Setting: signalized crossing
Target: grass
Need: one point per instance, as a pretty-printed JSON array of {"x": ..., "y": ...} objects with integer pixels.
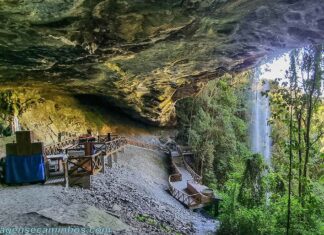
[{"x": 144, "y": 218}]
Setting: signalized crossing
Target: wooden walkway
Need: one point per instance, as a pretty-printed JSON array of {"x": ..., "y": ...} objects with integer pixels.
[
  {"x": 185, "y": 177},
  {"x": 76, "y": 168},
  {"x": 186, "y": 185},
  {"x": 67, "y": 162}
]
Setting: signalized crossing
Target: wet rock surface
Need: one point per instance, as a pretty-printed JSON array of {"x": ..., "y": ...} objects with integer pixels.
[
  {"x": 137, "y": 55},
  {"x": 83, "y": 215}
]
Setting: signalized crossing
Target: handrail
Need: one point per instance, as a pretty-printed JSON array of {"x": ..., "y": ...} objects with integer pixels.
[
  {"x": 104, "y": 138},
  {"x": 108, "y": 147},
  {"x": 189, "y": 200},
  {"x": 93, "y": 159},
  {"x": 113, "y": 145},
  {"x": 88, "y": 156},
  {"x": 196, "y": 177},
  {"x": 142, "y": 144},
  {"x": 53, "y": 148},
  {"x": 69, "y": 140},
  {"x": 175, "y": 177},
  {"x": 116, "y": 140},
  {"x": 176, "y": 171}
]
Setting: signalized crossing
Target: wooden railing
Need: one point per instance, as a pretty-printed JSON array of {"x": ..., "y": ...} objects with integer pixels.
[
  {"x": 145, "y": 145},
  {"x": 105, "y": 138},
  {"x": 80, "y": 165},
  {"x": 176, "y": 175},
  {"x": 191, "y": 200},
  {"x": 85, "y": 164},
  {"x": 77, "y": 165},
  {"x": 175, "y": 178},
  {"x": 188, "y": 200},
  {"x": 100, "y": 147},
  {"x": 115, "y": 145},
  {"x": 197, "y": 178},
  {"x": 56, "y": 148}
]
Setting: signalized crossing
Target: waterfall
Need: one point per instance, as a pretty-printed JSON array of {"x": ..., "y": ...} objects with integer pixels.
[
  {"x": 16, "y": 124},
  {"x": 260, "y": 129}
]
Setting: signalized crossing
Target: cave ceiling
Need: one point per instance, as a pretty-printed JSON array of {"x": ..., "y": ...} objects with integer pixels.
[{"x": 143, "y": 55}]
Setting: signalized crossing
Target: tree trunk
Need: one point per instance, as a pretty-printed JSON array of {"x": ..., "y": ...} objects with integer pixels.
[
  {"x": 290, "y": 171},
  {"x": 312, "y": 102},
  {"x": 299, "y": 121}
]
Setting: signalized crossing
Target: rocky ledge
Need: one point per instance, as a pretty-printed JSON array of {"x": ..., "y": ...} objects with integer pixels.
[{"x": 144, "y": 55}]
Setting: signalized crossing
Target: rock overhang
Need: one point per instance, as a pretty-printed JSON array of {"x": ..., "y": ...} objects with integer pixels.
[{"x": 144, "y": 55}]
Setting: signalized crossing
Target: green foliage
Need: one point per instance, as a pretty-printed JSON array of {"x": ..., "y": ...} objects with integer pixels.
[
  {"x": 252, "y": 189},
  {"x": 144, "y": 218},
  {"x": 248, "y": 221},
  {"x": 13, "y": 103},
  {"x": 9, "y": 103},
  {"x": 211, "y": 124},
  {"x": 5, "y": 128},
  {"x": 268, "y": 219},
  {"x": 297, "y": 130},
  {"x": 238, "y": 219},
  {"x": 215, "y": 124},
  {"x": 8, "y": 107}
]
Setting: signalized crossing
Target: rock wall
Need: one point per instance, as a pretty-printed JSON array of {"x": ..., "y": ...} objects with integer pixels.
[
  {"x": 143, "y": 55},
  {"x": 48, "y": 111}
]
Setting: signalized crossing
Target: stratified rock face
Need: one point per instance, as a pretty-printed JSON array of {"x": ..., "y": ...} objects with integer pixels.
[
  {"x": 51, "y": 113},
  {"x": 143, "y": 55}
]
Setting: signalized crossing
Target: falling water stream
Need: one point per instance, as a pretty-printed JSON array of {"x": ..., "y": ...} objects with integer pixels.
[
  {"x": 260, "y": 129},
  {"x": 16, "y": 124}
]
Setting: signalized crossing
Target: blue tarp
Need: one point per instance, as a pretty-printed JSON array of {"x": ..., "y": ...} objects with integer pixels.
[{"x": 25, "y": 169}]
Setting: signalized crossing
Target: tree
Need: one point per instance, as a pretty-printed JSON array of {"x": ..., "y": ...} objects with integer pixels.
[
  {"x": 215, "y": 128},
  {"x": 311, "y": 66},
  {"x": 297, "y": 100},
  {"x": 251, "y": 190}
]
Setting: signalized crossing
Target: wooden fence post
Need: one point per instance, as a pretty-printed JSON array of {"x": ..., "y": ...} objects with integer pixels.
[
  {"x": 102, "y": 163},
  {"x": 110, "y": 160},
  {"x": 66, "y": 173},
  {"x": 115, "y": 156}
]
